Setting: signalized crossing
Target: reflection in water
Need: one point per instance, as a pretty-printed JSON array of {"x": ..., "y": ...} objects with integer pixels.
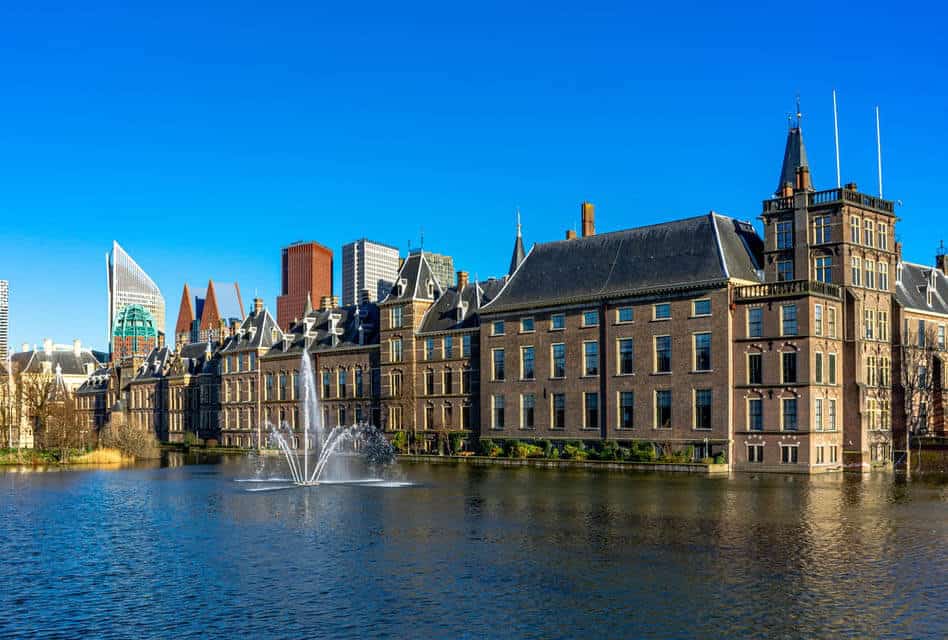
[{"x": 471, "y": 552}]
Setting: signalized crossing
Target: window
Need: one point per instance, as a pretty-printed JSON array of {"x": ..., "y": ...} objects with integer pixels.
[
  {"x": 396, "y": 383},
  {"x": 831, "y": 369},
  {"x": 788, "y": 317},
  {"x": 466, "y": 380},
  {"x": 359, "y": 390},
  {"x": 342, "y": 416},
  {"x": 819, "y": 455},
  {"x": 789, "y": 414},
  {"x": 785, "y": 235},
  {"x": 327, "y": 383},
  {"x": 626, "y": 356},
  {"x": 921, "y": 333},
  {"x": 498, "y": 363},
  {"x": 869, "y": 323},
  {"x": 824, "y": 269},
  {"x": 831, "y": 321},
  {"x": 526, "y": 325},
  {"x": 395, "y": 418},
  {"x": 395, "y": 349},
  {"x": 941, "y": 337},
  {"x": 358, "y": 414},
  {"x": 883, "y": 276},
  {"x": 591, "y": 358},
  {"x": 526, "y": 363},
  {"x": 818, "y": 414},
  {"x": 429, "y": 349},
  {"x": 784, "y": 270},
  {"x": 429, "y": 383},
  {"x": 833, "y": 454},
  {"x": 755, "y": 368},
  {"x": 883, "y": 233},
  {"x": 662, "y": 354},
  {"x": 868, "y": 233},
  {"x": 663, "y": 409},
  {"x": 662, "y": 311},
  {"x": 397, "y": 317},
  {"x": 701, "y": 308},
  {"x": 870, "y": 274},
  {"x": 625, "y": 314},
  {"x": 821, "y": 229},
  {"x": 591, "y": 414},
  {"x": 702, "y": 351},
  {"x": 497, "y": 328},
  {"x": 789, "y": 453},
  {"x": 626, "y": 409},
  {"x": 854, "y": 229},
  {"x": 789, "y": 360},
  {"x": 497, "y": 411},
  {"x": 831, "y": 416},
  {"x": 818, "y": 319},
  {"x": 559, "y": 411},
  {"x": 528, "y": 403},
  {"x": 590, "y": 318},
  {"x": 883, "y": 325},
  {"x": 818, "y": 367},
  {"x": 703, "y": 409},
  {"x": 557, "y": 322},
  {"x": 343, "y": 380},
  {"x": 857, "y": 271},
  {"x": 755, "y": 414},
  {"x": 558, "y": 360},
  {"x": 466, "y": 416},
  {"x": 466, "y": 346},
  {"x": 755, "y": 322},
  {"x": 448, "y": 347},
  {"x": 755, "y": 453},
  {"x": 268, "y": 387}
]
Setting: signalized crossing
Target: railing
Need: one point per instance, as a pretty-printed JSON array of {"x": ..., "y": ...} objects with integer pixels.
[
  {"x": 787, "y": 288},
  {"x": 830, "y": 196}
]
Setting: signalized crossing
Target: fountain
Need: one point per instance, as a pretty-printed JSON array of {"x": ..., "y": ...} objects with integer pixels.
[{"x": 308, "y": 463}]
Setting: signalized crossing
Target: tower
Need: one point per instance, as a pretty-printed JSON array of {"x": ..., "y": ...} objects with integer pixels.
[
  {"x": 306, "y": 268},
  {"x": 518, "y": 253}
]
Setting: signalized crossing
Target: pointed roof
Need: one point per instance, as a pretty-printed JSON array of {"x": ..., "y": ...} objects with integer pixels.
[
  {"x": 308, "y": 309},
  {"x": 413, "y": 279},
  {"x": 794, "y": 157},
  {"x": 186, "y": 315},
  {"x": 210, "y": 314},
  {"x": 518, "y": 253}
]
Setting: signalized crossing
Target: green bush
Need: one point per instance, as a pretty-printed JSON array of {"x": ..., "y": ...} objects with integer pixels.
[
  {"x": 457, "y": 442},
  {"x": 400, "y": 441},
  {"x": 720, "y": 458},
  {"x": 510, "y": 448},
  {"x": 547, "y": 447},
  {"x": 609, "y": 450},
  {"x": 554, "y": 454},
  {"x": 573, "y": 452},
  {"x": 487, "y": 447}
]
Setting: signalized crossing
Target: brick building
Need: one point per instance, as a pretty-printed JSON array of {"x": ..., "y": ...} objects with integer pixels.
[{"x": 306, "y": 273}]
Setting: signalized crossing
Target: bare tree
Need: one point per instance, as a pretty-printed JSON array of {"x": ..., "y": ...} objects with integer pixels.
[
  {"x": 119, "y": 433},
  {"x": 60, "y": 430},
  {"x": 917, "y": 379}
]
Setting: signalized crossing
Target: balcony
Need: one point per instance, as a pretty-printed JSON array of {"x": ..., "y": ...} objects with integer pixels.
[
  {"x": 833, "y": 196},
  {"x": 786, "y": 289}
]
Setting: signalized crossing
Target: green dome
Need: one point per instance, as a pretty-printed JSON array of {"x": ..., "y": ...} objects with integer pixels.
[{"x": 134, "y": 321}]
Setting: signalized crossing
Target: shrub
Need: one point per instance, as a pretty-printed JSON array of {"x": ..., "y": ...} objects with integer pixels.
[
  {"x": 609, "y": 450},
  {"x": 138, "y": 442},
  {"x": 720, "y": 458},
  {"x": 510, "y": 448},
  {"x": 547, "y": 447},
  {"x": 457, "y": 442},
  {"x": 624, "y": 453},
  {"x": 487, "y": 447},
  {"x": 554, "y": 454},
  {"x": 572, "y": 452},
  {"x": 191, "y": 439},
  {"x": 400, "y": 441}
]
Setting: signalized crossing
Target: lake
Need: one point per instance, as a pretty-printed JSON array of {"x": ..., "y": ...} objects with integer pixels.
[{"x": 186, "y": 551}]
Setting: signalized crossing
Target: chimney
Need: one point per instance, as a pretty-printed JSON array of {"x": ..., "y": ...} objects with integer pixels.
[
  {"x": 589, "y": 219},
  {"x": 257, "y": 305},
  {"x": 851, "y": 186},
  {"x": 48, "y": 346},
  {"x": 570, "y": 234},
  {"x": 326, "y": 303},
  {"x": 803, "y": 179},
  {"x": 941, "y": 259},
  {"x": 76, "y": 347},
  {"x": 364, "y": 296},
  {"x": 786, "y": 191},
  {"x": 462, "y": 280},
  {"x": 25, "y": 346}
]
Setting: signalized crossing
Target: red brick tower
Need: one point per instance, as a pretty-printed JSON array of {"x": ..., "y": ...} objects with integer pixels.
[{"x": 306, "y": 270}]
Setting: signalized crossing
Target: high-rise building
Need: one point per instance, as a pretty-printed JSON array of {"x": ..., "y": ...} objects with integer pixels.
[
  {"x": 4, "y": 320},
  {"x": 306, "y": 274},
  {"x": 367, "y": 266},
  {"x": 129, "y": 284},
  {"x": 442, "y": 267}
]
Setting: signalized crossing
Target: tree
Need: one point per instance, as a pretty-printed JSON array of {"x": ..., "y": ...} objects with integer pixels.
[
  {"x": 60, "y": 430},
  {"x": 917, "y": 379},
  {"x": 119, "y": 433}
]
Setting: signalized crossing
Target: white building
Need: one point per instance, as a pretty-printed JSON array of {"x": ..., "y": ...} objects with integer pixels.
[
  {"x": 129, "y": 284},
  {"x": 367, "y": 266},
  {"x": 4, "y": 320}
]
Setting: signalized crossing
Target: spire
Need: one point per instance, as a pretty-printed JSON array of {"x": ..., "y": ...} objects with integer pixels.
[
  {"x": 518, "y": 253},
  {"x": 185, "y": 313},
  {"x": 795, "y": 170},
  {"x": 308, "y": 309},
  {"x": 211, "y": 313}
]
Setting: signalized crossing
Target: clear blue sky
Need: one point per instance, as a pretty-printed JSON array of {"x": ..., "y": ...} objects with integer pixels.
[{"x": 204, "y": 139}]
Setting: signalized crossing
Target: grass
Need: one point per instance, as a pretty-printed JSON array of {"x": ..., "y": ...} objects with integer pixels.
[{"x": 100, "y": 456}]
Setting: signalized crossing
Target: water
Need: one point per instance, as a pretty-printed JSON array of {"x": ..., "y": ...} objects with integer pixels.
[{"x": 470, "y": 552}]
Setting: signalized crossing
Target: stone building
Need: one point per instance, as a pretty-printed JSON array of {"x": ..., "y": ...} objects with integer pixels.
[{"x": 192, "y": 387}]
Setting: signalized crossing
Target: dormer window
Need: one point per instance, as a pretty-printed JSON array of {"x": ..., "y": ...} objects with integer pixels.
[
  {"x": 400, "y": 288},
  {"x": 898, "y": 273},
  {"x": 431, "y": 288}
]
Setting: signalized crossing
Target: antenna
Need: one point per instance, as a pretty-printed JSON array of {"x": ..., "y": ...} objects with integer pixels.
[
  {"x": 799, "y": 113},
  {"x": 836, "y": 134},
  {"x": 879, "y": 150}
]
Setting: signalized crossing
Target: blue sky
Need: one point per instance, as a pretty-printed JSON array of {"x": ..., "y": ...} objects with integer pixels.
[{"x": 205, "y": 138}]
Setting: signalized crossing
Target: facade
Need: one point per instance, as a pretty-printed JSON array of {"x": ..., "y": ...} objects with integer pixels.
[
  {"x": 4, "y": 320},
  {"x": 306, "y": 274},
  {"x": 368, "y": 271},
  {"x": 128, "y": 284},
  {"x": 134, "y": 333},
  {"x": 442, "y": 266},
  {"x": 208, "y": 315}
]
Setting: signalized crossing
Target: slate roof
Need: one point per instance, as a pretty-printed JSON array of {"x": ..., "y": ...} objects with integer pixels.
[
  {"x": 699, "y": 252},
  {"x": 196, "y": 357},
  {"x": 66, "y": 359},
  {"x": 330, "y": 329},
  {"x": 155, "y": 364},
  {"x": 98, "y": 381},
  {"x": 911, "y": 290},
  {"x": 794, "y": 156},
  {"x": 411, "y": 283},
  {"x": 257, "y": 331},
  {"x": 518, "y": 253},
  {"x": 456, "y": 310}
]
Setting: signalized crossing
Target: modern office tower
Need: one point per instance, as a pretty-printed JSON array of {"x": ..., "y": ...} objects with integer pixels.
[
  {"x": 306, "y": 273},
  {"x": 367, "y": 266},
  {"x": 442, "y": 267},
  {"x": 130, "y": 285},
  {"x": 4, "y": 320}
]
